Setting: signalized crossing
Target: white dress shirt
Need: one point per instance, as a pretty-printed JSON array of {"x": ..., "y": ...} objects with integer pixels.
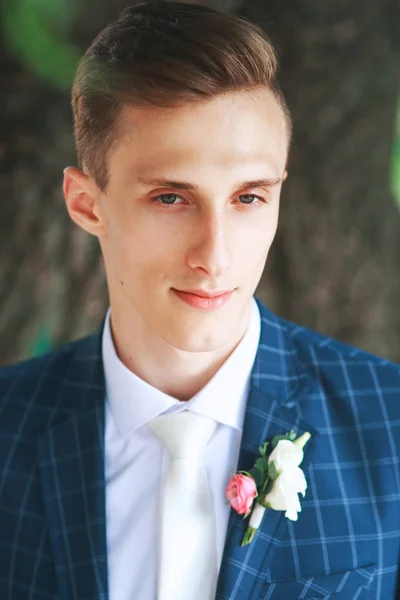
[{"x": 137, "y": 462}]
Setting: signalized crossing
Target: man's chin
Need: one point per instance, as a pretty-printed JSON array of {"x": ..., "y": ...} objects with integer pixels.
[{"x": 201, "y": 336}]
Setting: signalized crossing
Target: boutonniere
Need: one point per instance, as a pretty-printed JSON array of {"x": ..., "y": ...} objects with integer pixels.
[{"x": 275, "y": 480}]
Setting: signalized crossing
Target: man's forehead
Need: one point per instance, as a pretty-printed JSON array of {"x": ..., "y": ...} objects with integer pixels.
[
  {"x": 240, "y": 105},
  {"x": 158, "y": 137}
]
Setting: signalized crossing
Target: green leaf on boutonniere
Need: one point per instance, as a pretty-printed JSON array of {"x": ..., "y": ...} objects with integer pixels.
[
  {"x": 267, "y": 487},
  {"x": 291, "y": 436},
  {"x": 272, "y": 472},
  {"x": 262, "y": 464},
  {"x": 277, "y": 439},
  {"x": 263, "y": 449},
  {"x": 248, "y": 473},
  {"x": 257, "y": 476}
]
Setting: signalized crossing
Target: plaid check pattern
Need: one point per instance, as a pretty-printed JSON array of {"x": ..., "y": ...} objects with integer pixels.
[{"x": 346, "y": 542}]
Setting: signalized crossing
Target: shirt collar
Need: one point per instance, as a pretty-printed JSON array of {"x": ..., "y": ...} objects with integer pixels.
[{"x": 133, "y": 402}]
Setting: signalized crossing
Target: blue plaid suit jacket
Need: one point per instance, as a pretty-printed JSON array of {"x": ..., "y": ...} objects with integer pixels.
[{"x": 346, "y": 542}]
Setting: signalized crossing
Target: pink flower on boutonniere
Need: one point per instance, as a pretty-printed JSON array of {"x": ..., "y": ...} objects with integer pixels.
[{"x": 241, "y": 492}]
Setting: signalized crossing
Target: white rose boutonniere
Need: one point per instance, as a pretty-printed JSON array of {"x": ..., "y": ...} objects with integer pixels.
[
  {"x": 290, "y": 480},
  {"x": 278, "y": 480}
]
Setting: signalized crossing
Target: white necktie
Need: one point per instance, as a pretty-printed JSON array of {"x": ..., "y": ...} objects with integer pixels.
[{"x": 188, "y": 565}]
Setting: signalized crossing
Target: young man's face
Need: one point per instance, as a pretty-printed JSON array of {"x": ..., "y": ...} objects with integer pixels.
[{"x": 158, "y": 238}]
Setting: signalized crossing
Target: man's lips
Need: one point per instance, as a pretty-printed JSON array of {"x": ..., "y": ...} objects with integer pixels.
[
  {"x": 206, "y": 293},
  {"x": 204, "y": 302}
]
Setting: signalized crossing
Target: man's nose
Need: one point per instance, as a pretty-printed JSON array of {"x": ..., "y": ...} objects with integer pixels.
[{"x": 211, "y": 249}]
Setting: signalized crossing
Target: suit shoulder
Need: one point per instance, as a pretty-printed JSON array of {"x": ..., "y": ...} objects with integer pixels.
[
  {"x": 37, "y": 366},
  {"x": 356, "y": 388},
  {"x": 33, "y": 386},
  {"x": 325, "y": 352}
]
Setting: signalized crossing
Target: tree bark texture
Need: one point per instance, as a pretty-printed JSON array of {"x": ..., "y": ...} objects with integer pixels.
[
  {"x": 50, "y": 271},
  {"x": 334, "y": 263}
]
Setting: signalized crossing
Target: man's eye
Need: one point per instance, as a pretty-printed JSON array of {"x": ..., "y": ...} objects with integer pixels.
[
  {"x": 167, "y": 200},
  {"x": 170, "y": 199},
  {"x": 251, "y": 196}
]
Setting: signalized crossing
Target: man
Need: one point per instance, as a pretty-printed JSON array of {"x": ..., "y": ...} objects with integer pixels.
[{"x": 182, "y": 138}]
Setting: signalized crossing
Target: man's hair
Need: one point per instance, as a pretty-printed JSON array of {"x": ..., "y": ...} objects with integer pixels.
[{"x": 164, "y": 54}]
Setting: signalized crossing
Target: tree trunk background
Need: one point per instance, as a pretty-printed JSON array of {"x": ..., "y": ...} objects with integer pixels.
[
  {"x": 334, "y": 263},
  {"x": 51, "y": 280}
]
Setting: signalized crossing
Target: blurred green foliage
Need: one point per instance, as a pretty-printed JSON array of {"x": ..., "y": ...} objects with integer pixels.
[
  {"x": 396, "y": 162},
  {"x": 35, "y": 31},
  {"x": 42, "y": 342}
]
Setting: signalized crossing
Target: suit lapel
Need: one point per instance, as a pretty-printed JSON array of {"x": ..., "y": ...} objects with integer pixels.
[
  {"x": 279, "y": 380},
  {"x": 71, "y": 463}
]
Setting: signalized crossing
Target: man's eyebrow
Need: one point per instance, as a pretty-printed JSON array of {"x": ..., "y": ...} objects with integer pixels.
[{"x": 185, "y": 185}]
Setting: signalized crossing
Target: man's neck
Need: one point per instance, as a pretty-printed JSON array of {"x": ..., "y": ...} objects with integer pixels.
[{"x": 177, "y": 373}]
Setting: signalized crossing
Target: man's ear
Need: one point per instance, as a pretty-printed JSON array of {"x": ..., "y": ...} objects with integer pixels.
[
  {"x": 284, "y": 175},
  {"x": 81, "y": 196}
]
